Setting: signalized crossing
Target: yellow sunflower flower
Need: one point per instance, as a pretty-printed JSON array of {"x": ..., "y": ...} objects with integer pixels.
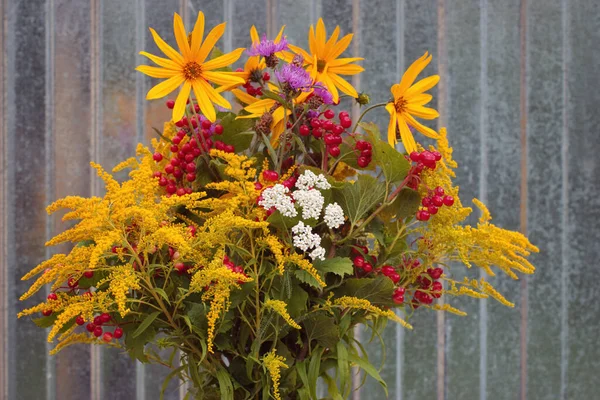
[
  {"x": 323, "y": 63},
  {"x": 190, "y": 68},
  {"x": 409, "y": 101},
  {"x": 258, "y": 107}
]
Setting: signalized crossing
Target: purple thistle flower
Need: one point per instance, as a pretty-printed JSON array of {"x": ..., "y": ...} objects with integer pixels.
[
  {"x": 267, "y": 48},
  {"x": 323, "y": 93},
  {"x": 295, "y": 77}
]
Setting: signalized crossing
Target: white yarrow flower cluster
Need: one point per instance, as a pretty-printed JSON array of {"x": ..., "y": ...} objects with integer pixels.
[
  {"x": 311, "y": 201},
  {"x": 305, "y": 239},
  {"x": 334, "y": 215},
  {"x": 309, "y": 180},
  {"x": 277, "y": 196}
]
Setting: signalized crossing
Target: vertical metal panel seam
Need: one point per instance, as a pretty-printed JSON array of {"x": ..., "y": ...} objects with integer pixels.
[
  {"x": 228, "y": 11},
  {"x": 442, "y": 108},
  {"x": 564, "y": 311},
  {"x": 356, "y": 47},
  {"x": 50, "y": 167},
  {"x": 3, "y": 212},
  {"x": 399, "y": 67},
  {"x": 140, "y": 89},
  {"x": 524, "y": 192},
  {"x": 96, "y": 352},
  {"x": 483, "y": 316}
]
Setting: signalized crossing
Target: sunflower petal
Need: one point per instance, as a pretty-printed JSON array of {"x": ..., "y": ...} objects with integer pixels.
[
  {"x": 420, "y": 127},
  {"x": 197, "y": 35},
  {"x": 165, "y": 48},
  {"x": 163, "y": 62},
  {"x": 330, "y": 86},
  {"x": 420, "y": 99},
  {"x": 223, "y": 61},
  {"x": 180, "y": 103},
  {"x": 181, "y": 36},
  {"x": 422, "y": 86},
  {"x": 351, "y": 69},
  {"x": 223, "y": 78},
  {"x": 312, "y": 41},
  {"x": 332, "y": 39},
  {"x": 156, "y": 72},
  {"x": 422, "y": 112},
  {"x": 254, "y": 35},
  {"x": 413, "y": 71},
  {"x": 344, "y": 85},
  {"x": 261, "y": 106},
  {"x": 343, "y": 61},
  {"x": 244, "y": 97},
  {"x": 298, "y": 50},
  {"x": 279, "y": 35},
  {"x": 339, "y": 47},
  {"x": 321, "y": 38},
  {"x": 211, "y": 39},
  {"x": 214, "y": 96},
  {"x": 206, "y": 107},
  {"x": 407, "y": 137},
  {"x": 392, "y": 140},
  {"x": 165, "y": 87}
]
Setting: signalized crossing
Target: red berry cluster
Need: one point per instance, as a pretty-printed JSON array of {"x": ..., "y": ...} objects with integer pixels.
[
  {"x": 257, "y": 78},
  {"x": 235, "y": 268},
  {"x": 422, "y": 160},
  {"x": 329, "y": 131},
  {"x": 95, "y": 327},
  {"x": 431, "y": 204},
  {"x": 361, "y": 259},
  {"x": 192, "y": 139},
  {"x": 365, "y": 154},
  {"x": 429, "y": 287}
]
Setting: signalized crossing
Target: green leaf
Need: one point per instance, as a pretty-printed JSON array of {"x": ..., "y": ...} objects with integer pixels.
[
  {"x": 46, "y": 322},
  {"x": 393, "y": 164},
  {"x": 404, "y": 205},
  {"x": 314, "y": 370},
  {"x": 369, "y": 369},
  {"x": 321, "y": 327},
  {"x": 163, "y": 294},
  {"x": 343, "y": 369},
  {"x": 357, "y": 199},
  {"x": 339, "y": 266},
  {"x": 225, "y": 384},
  {"x": 146, "y": 323},
  {"x": 236, "y": 132},
  {"x": 159, "y": 133},
  {"x": 268, "y": 94},
  {"x": 307, "y": 278},
  {"x": 377, "y": 290}
]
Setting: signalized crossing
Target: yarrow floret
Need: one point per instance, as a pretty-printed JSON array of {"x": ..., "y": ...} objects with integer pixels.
[
  {"x": 310, "y": 180},
  {"x": 311, "y": 201},
  {"x": 318, "y": 253},
  {"x": 277, "y": 196},
  {"x": 267, "y": 48},
  {"x": 304, "y": 238},
  {"x": 334, "y": 215}
]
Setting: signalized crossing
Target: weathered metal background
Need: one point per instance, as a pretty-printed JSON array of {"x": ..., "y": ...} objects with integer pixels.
[{"x": 519, "y": 94}]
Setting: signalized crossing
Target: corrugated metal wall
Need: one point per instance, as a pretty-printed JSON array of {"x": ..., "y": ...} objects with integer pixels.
[{"x": 519, "y": 94}]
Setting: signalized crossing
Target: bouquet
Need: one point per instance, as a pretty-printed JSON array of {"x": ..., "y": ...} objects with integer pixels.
[{"x": 246, "y": 247}]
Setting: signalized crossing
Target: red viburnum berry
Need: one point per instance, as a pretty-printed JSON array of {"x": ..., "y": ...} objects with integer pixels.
[
  {"x": 395, "y": 277},
  {"x": 170, "y": 104},
  {"x": 88, "y": 274},
  {"x": 118, "y": 334},
  {"x": 439, "y": 191},
  {"x": 436, "y": 288},
  {"x": 435, "y": 273},
  {"x": 266, "y": 76},
  {"x": 426, "y": 201},
  {"x": 414, "y": 156},
  {"x": 423, "y": 215},
  {"x": 337, "y": 130},
  {"x": 219, "y": 129},
  {"x": 107, "y": 337},
  {"x": 346, "y": 122},
  {"x": 105, "y": 317},
  {"x": 387, "y": 270},
  {"x": 157, "y": 157},
  {"x": 304, "y": 130},
  {"x": 98, "y": 331},
  {"x": 79, "y": 320},
  {"x": 329, "y": 114},
  {"x": 206, "y": 124},
  {"x": 90, "y": 327},
  {"x": 363, "y": 162},
  {"x": 432, "y": 210},
  {"x": 359, "y": 261},
  {"x": 437, "y": 201},
  {"x": 52, "y": 296},
  {"x": 367, "y": 267},
  {"x": 47, "y": 313},
  {"x": 448, "y": 201}
]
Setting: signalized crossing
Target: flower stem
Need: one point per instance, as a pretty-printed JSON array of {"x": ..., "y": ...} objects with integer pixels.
[{"x": 365, "y": 113}]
